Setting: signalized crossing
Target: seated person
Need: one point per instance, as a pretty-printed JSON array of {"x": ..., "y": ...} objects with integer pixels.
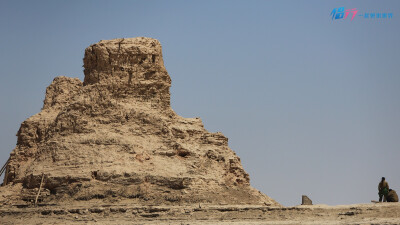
[{"x": 392, "y": 196}]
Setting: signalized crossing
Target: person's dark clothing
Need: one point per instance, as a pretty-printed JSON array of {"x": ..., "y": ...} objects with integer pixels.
[{"x": 383, "y": 188}]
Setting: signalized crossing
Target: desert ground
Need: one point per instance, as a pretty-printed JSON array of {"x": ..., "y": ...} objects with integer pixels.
[{"x": 379, "y": 213}]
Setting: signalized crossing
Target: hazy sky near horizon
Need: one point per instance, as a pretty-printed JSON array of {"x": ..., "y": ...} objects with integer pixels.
[{"x": 310, "y": 104}]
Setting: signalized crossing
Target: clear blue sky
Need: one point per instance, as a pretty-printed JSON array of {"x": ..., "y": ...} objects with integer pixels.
[{"x": 310, "y": 105}]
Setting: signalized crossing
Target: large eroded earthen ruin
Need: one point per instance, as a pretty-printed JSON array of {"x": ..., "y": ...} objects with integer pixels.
[{"x": 115, "y": 137}]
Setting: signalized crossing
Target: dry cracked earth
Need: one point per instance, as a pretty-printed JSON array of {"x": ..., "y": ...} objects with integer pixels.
[{"x": 381, "y": 213}]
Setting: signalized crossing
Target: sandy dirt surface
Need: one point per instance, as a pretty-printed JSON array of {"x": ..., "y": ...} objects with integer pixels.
[{"x": 382, "y": 213}]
